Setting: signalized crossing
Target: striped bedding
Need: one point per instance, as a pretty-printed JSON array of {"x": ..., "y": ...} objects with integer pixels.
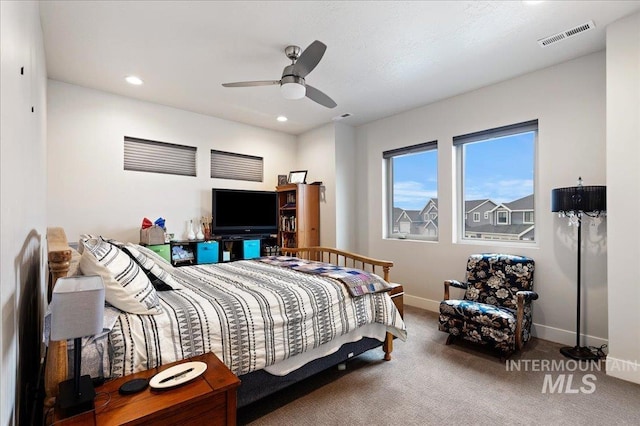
[{"x": 249, "y": 313}]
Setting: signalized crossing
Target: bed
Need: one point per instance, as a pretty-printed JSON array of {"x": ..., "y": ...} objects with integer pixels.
[{"x": 273, "y": 321}]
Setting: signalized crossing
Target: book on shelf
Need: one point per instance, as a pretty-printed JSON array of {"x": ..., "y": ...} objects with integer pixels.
[{"x": 288, "y": 223}]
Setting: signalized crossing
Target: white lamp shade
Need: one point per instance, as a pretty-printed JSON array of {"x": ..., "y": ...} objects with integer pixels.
[
  {"x": 77, "y": 307},
  {"x": 293, "y": 91}
]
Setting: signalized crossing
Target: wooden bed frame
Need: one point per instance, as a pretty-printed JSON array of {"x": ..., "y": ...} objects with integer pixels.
[{"x": 60, "y": 256}]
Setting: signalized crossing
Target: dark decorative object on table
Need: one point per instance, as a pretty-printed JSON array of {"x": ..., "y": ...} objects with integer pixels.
[
  {"x": 282, "y": 180},
  {"x": 574, "y": 202}
]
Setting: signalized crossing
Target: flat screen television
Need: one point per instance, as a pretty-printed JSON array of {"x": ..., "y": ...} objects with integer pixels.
[{"x": 237, "y": 211}]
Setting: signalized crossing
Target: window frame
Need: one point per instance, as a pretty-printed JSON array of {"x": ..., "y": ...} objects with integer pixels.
[
  {"x": 524, "y": 217},
  {"x": 235, "y": 166},
  {"x": 487, "y": 135},
  {"x": 506, "y": 217},
  {"x": 151, "y": 156},
  {"x": 387, "y": 158}
]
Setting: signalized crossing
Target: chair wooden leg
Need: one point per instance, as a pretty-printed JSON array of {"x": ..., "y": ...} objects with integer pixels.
[{"x": 451, "y": 338}]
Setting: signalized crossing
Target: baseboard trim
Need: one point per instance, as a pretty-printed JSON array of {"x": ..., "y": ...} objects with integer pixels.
[
  {"x": 623, "y": 369},
  {"x": 552, "y": 334},
  {"x": 422, "y": 303}
]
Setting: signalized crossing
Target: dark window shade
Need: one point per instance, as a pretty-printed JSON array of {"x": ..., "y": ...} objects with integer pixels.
[
  {"x": 144, "y": 155},
  {"x": 426, "y": 146},
  {"x": 229, "y": 165},
  {"x": 499, "y": 132}
]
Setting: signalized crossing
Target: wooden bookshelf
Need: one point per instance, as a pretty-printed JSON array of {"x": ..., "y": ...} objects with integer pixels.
[{"x": 298, "y": 215}]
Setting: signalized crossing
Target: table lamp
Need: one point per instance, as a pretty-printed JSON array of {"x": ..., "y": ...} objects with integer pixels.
[{"x": 77, "y": 308}]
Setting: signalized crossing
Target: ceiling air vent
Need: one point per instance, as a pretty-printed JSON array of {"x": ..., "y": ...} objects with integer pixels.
[
  {"x": 566, "y": 34},
  {"x": 341, "y": 116}
]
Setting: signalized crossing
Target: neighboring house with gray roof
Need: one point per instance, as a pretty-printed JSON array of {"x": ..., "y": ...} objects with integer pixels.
[
  {"x": 407, "y": 221},
  {"x": 484, "y": 219},
  {"x": 429, "y": 215}
]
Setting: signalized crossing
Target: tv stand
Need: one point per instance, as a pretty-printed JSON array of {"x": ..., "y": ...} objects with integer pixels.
[{"x": 222, "y": 248}]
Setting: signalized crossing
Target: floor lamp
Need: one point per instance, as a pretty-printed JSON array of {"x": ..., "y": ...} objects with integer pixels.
[{"x": 574, "y": 202}]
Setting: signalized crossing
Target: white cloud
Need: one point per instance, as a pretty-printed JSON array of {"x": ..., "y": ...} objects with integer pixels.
[{"x": 412, "y": 195}]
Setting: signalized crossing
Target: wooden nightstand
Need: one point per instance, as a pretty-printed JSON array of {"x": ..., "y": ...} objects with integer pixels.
[{"x": 208, "y": 399}]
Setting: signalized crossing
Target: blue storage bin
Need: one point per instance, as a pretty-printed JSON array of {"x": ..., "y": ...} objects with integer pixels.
[
  {"x": 251, "y": 249},
  {"x": 208, "y": 252}
]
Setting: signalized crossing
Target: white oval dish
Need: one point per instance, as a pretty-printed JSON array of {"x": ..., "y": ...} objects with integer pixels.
[{"x": 177, "y": 375}]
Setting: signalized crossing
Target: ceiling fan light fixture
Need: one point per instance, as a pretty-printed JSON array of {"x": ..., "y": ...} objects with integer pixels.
[{"x": 293, "y": 91}]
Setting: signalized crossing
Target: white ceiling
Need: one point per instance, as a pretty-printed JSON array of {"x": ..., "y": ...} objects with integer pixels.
[{"x": 382, "y": 57}]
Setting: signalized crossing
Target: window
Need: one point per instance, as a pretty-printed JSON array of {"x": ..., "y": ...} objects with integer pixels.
[
  {"x": 503, "y": 217},
  {"x": 496, "y": 169},
  {"x": 476, "y": 217},
  {"x": 486, "y": 215},
  {"x": 229, "y": 165},
  {"x": 144, "y": 155},
  {"x": 412, "y": 190},
  {"x": 528, "y": 217}
]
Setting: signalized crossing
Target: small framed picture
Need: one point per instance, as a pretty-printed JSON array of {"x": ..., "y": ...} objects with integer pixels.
[
  {"x": 282, "y": 180},
  {"x": 298, "y": 176}
]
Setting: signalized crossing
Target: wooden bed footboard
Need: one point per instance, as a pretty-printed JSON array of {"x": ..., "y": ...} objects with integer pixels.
[
  {"x": 353, "y": 260},
  {"x": 342, "y": 258}
]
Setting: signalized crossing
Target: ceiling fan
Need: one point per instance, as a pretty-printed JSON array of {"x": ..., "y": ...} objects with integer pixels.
[{"x": 292, "y": 83}]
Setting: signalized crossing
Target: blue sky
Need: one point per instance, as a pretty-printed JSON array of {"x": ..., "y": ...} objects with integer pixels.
[{"x": 500, "y": 169}]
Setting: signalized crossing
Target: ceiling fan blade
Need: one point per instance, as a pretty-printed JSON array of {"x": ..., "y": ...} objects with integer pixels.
[
  {"x": 319, "y": 97},
  {"x": 252, "y": 83},
  {"x": 308, "y": 59}
]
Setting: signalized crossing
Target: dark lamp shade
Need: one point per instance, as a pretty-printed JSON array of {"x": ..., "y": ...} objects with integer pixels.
[
  {"x": 579, "y": 199},
  {"x": 77, "y": 307}
]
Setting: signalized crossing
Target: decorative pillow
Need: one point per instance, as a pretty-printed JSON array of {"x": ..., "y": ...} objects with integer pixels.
[
  {"x": 152, "y": 269},
  {"x": 126, "y": 285},
  {"x": 161, "y": 261},
  {"x": 83, "y": 239}
]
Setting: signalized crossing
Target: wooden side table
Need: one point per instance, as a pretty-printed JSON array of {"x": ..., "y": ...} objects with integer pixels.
[{"x": 208, "y": 399}]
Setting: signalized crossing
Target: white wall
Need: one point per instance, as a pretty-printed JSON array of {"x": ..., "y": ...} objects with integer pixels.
[
  {"x": 346, "y": 205},
  {"x": 88, "y": 190},
  {"x": 569, "y": 102},
  {"x": 329, "y": 154},
  {"x": 22, "y": 195},
  {"x": 623, "y": 178},
  {"x": 316, "y": 154}
]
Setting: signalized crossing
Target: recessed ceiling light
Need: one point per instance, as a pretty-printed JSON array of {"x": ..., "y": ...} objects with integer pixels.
[
  {"x": 132, "y": 79},
  {"x": 282, "y": 118}
]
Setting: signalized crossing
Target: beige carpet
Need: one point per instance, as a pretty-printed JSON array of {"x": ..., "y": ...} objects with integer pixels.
[{"x": 430, "y": 383}]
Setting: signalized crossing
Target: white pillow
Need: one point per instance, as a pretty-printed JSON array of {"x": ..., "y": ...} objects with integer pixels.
[
  {"x": 83, "y": 239},
  {"x": 126, "y": 285},
  {"x": 161, "y": 261},
  {"x": 150, "y": 265}
]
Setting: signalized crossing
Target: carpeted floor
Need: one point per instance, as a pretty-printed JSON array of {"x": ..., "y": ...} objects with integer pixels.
[{"x": 430, "y": 383}]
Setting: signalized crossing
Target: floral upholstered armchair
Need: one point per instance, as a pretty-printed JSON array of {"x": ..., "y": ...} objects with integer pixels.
[{"x": 496, "y": 308}]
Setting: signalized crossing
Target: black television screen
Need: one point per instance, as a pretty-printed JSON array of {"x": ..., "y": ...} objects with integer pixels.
[{"x": 237, "y": 211}]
